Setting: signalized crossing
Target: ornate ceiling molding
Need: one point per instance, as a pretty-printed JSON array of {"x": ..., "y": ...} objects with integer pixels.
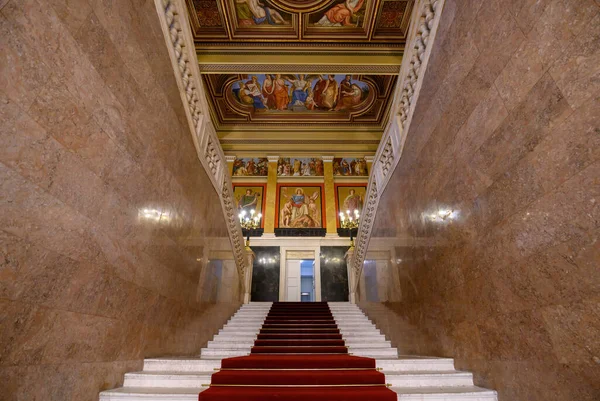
[
  {"x": 180, "y": 44},
  {"x": 414, "y": 66},
  {"x": 298, "y": 68}
]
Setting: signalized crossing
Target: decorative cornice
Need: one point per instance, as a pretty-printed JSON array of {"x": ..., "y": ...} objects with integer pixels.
[
  {"x": 180, "y": 44},
  {"x": 298, "y": 68},
  {"x": 376, "y": 45},
  {"x": 421, "y": 37}
]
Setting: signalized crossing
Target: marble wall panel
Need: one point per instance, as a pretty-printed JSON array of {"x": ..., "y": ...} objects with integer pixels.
[
  {"x": 508, "y": 282},
  {"x": 108, "y": 222}
]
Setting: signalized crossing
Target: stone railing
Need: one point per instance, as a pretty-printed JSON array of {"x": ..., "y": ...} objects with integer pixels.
[
  {"x": 422, "y": 33},
  {"x": 180, "y": 44}
]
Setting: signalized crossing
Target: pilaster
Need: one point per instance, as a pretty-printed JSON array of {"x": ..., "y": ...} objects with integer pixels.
[
  {"x": 352, "y": 277},
  {"x": 249, "y": 255},
  {"x": 270, "y": 213},
  {"x": 331, "y": 222},
  {"x": 230, "y": 159},
  {"x": 369, "y": 160}
]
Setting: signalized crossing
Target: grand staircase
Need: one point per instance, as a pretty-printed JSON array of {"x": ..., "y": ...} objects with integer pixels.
[{"x": 410, "y": 377}]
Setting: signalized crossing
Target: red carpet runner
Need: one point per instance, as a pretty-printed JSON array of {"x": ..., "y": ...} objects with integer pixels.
[{"x": 299, "y": 355}]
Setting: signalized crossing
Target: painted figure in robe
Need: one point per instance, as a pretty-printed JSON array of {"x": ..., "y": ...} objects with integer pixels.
[
  {"x": 326, "y": 92},
  {"x": 349, "y": 95},
  {"x": 341, "y": 14},
  {"x": 249, "y": 11},
  {"x": 250, "y": 93},
  {"x": 281, "y": 93},
  {"x": 300, "y": 210},
  {"x": 299, "y": 90},
  {"x": 353, "y": 201},
  {"x": 248, "y": 201},
  {"x": 268, "y": 92}
]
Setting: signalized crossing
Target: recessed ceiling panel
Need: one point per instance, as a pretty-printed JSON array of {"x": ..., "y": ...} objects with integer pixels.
[
  {"x": 375, "y": 23},
  {"x": 270, "y": 102}
]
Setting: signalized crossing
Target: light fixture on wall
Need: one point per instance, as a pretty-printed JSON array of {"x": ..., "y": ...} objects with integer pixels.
[
  {"x": 250, "y": 223},
  {"x": 349, "y": 221}
]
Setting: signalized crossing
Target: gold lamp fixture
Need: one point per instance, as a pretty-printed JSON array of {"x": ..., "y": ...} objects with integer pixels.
[
  {"x": 350, "y": 221},
  {"x": 249, "y": 222}
]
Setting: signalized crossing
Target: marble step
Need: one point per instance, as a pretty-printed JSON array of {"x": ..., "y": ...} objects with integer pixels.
[
  {"x": 373, "y": 352},
  {"x": 467, "y": 393},
  {"x": 233, "y": 337},
  {"x": 248, "y": 344},
  {"x": 429, "y": 379},
  {"x": 343, "y": 326},
  {"x": 168, "y": 379},
  {"x": 231, "y": 352},
  {"x": 396, "y": 364},
  {"x": 181, "y": 364},
  {"x": 197, "y": 379}
]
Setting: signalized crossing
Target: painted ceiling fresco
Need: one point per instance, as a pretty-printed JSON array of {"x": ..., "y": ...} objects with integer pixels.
[
  {"x": 286, "y": 100},
  {"x": 369, "y": 22}
]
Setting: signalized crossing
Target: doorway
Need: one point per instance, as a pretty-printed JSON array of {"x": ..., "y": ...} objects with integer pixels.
[
  {"x": 307, "y": 281},
  {"x": 300, "y": 281}
]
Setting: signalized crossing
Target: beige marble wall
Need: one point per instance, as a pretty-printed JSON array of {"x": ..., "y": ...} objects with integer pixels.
[
  {"x": 106, "y": 215},
  {"x": 493, "y": 213}
]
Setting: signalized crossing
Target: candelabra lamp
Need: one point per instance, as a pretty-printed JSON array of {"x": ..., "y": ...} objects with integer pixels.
[
  {"x": 250, "y": 225},
  {"x": 349, "y": 222}
]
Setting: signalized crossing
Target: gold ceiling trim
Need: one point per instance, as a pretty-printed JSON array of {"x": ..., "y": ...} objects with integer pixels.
[
  {"x": 299, "y": 69},
  {"x": 332, "y": 45}
]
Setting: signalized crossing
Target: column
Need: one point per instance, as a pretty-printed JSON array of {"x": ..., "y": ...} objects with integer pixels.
[
  {"x": 270, "y": 214},
  {"x": 230, "y": 159},
  {"x": 248, "y": 274},
  {"x": 352, "y": 279},
  {"x": 329, "y": 195}
]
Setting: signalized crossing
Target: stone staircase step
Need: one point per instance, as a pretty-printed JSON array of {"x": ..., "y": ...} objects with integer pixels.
[
  {"x": 412, "y": 378},
  {"x": 466, "y": 393},
  {"x": 181, "y": 364},
  {"x": 167, "y": 379},
  {"x": 429, "y": 379},
  {"x": 152, "y": 394}
]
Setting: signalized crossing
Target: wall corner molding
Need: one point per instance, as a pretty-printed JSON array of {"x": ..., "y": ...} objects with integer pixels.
[
  {"x": 174, "y": 22},
  {"x": 424, "y": 24}
]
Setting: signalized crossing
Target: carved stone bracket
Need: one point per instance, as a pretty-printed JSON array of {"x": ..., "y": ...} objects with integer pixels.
[
  {"x": 425, "y": 21},
  {"x": 180, "y": 44}
]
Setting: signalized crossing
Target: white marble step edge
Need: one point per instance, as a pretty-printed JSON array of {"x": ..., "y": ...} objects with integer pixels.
[
  {"x": 470, "y": 393},
  {"x": 233, "y": 336},
  {"x": 399, "y": 364},
  {"x": 197, "y": 379},
  {"x": 248, "y": 345},
  {"x": 367, "y": 352}
]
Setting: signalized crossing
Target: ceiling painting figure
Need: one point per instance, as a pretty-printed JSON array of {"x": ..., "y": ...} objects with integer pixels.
[
  {"x": 253, "y": 23},
  {"x": 253, "y": 12},
  {"x": 346, "y": 13},
  {"x": 300, "y": 93}
]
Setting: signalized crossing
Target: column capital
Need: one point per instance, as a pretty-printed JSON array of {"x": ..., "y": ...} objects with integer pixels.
[
  {"x": 230, "y": 158},
  {"x": 369, "y": 159},
  {"x": 327, "y": 159},
  {"x": 273, "y": 159}
]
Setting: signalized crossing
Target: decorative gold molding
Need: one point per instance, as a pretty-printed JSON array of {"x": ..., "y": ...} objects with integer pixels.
[{"x": 284, "y": 68}]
